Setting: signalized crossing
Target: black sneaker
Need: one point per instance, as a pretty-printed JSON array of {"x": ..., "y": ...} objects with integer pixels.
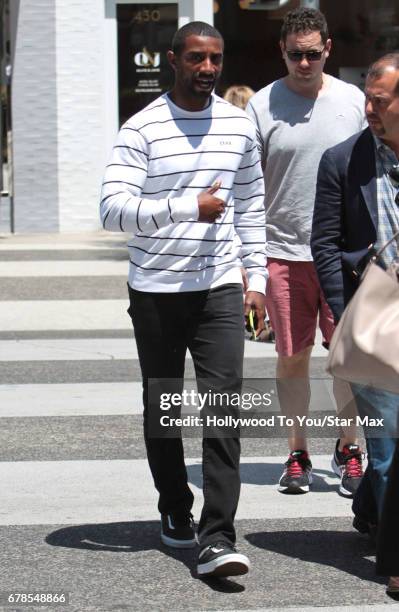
[
  {"x": 178, "y": 532},
  {"x": 221, "y": 559},
  {"x": 347, "y": 464},
  {"x": 297, "y": 475}
]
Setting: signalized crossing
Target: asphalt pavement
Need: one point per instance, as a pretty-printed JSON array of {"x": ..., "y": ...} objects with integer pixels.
[{"x": 77, "y": 506}]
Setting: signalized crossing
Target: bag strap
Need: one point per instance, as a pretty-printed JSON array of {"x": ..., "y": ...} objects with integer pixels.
[{"x": 380, "y": 251}]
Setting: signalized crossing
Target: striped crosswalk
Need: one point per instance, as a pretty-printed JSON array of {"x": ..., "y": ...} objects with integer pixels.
[{"x": 76, "y": 491}]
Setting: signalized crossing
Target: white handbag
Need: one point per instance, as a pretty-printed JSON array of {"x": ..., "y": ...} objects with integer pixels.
[{"x": 365, "y": 346}]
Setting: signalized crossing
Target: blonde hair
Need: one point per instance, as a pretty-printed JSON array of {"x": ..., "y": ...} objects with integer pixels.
[{"x": 238, "y": 95}]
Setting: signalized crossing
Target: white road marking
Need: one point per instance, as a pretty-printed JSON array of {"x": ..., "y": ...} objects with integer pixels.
[{"x": 62, "y": 492}]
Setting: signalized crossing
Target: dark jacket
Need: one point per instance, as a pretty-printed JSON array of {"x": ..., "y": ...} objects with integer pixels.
[{"x": 345, "y": 216}]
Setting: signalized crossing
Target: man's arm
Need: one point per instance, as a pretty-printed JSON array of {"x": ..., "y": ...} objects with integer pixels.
[
  {"x": 327, "y": 233},
  {"x": 252, "y": 112},
  {"x": 250, "y": 225},
  {"x": 122, "y": 207}
]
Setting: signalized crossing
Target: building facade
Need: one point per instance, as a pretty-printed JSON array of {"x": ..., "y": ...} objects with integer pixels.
[{"x": 74, "y": 70}]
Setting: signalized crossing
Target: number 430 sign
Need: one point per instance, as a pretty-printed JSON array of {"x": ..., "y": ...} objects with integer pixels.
[{"x": 146, "y": 15}]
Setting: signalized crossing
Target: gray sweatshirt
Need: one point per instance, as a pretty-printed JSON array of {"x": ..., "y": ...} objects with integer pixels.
[{"x": 293, "y": 132}]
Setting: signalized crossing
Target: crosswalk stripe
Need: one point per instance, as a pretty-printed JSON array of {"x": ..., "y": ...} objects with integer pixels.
[
  {"x": 104, "y": 348},
  {"x": 96, "y": 240},
  {"x": 42, "y": 269},
  {"x": 61, "y": 492},
  {"x": 60, "y": 246},
  {"x": 64, "y": 315},
  {"x": 113, "y": 398},
  {"x": 93, "y": 348},
  {"x": 86, "y": 399}
]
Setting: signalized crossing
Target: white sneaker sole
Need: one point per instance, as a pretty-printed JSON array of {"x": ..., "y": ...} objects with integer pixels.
[
  {"x": 178, "y": 543},
  {"x": 233, "y": 564}
]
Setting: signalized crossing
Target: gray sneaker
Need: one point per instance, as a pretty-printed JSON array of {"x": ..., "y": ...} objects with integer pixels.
[
  {"x": 347, "y": 465},
  {"x": 297, "y": 475}
]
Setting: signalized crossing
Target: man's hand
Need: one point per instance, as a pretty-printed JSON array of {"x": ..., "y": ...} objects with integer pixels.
[
  {"x": 256, "y": 301},
  {"x": 210, "y": 208}
]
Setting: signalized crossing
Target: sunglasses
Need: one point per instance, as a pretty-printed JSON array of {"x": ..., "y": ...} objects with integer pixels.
[
  {"x": 311, "y": 56},
  {"x": 394, "y": 178}
]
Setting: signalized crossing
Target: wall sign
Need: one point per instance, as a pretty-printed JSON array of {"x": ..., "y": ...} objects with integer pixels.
[{"x": 145, "y": 33}]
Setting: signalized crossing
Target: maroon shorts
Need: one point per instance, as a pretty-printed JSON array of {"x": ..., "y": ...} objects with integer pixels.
[{"x": 294, "y": 303}]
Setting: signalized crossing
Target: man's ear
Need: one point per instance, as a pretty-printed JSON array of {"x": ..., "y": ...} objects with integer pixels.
[
  {"x": 282, "y": 47},
  {"x": 328, "y": 48},
  {"x": 171, "y": 59}
]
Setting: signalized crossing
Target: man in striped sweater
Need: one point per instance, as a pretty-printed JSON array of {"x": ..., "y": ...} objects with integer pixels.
[{"x": 185, "y": 181}]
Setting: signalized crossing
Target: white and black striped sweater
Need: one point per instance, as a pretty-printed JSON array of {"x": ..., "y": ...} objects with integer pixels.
[{"x": 163, "y": 158}]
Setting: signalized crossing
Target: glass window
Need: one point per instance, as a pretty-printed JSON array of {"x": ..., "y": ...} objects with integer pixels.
[
  {"x": 361, "y": 31},
  {"x": 145, "y": 32}
]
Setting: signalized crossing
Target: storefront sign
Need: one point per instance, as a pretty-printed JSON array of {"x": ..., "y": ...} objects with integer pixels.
[{"x": 145, "y": 32}]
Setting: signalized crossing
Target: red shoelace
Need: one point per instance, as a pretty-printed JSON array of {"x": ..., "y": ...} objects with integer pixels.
[
  {"x": 294, "y": 467},
  {"x": 353, "y": 467}
]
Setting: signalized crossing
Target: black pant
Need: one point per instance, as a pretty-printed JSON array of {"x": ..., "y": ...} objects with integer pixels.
[{"x": 210, "y": 324}]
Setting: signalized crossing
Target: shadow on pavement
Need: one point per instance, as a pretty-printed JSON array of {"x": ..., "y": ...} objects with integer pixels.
[
  {"x": 266, "y": 474},
  {"x": 132, "y": 537},
  {"x": 117, "y": 537},
  {"x": 347, "y": 552},
  {"x": 222, "y": 585}
]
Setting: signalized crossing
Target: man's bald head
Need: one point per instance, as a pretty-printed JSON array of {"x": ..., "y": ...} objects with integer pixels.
[
  {"x": 388, "y": 62},
  {"x": 382, "y": 99}
]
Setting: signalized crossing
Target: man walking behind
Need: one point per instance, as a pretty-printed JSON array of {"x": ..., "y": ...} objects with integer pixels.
[
  {"x": 298, "y": 117},
  {"x": 357, "y": 205},
  {"x": 185, "y": 180}
]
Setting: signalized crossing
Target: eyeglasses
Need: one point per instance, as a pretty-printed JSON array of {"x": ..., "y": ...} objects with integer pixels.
[
  {"x": 311, "y": 56},
  {"x": 394, "y": 178}
]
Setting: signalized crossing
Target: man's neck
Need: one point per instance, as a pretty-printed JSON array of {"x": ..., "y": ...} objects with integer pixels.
[
  {"x": 189, "y": 103},
  {"x": 308, "y": 90},
  {"x": 394, "y": 146}
]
